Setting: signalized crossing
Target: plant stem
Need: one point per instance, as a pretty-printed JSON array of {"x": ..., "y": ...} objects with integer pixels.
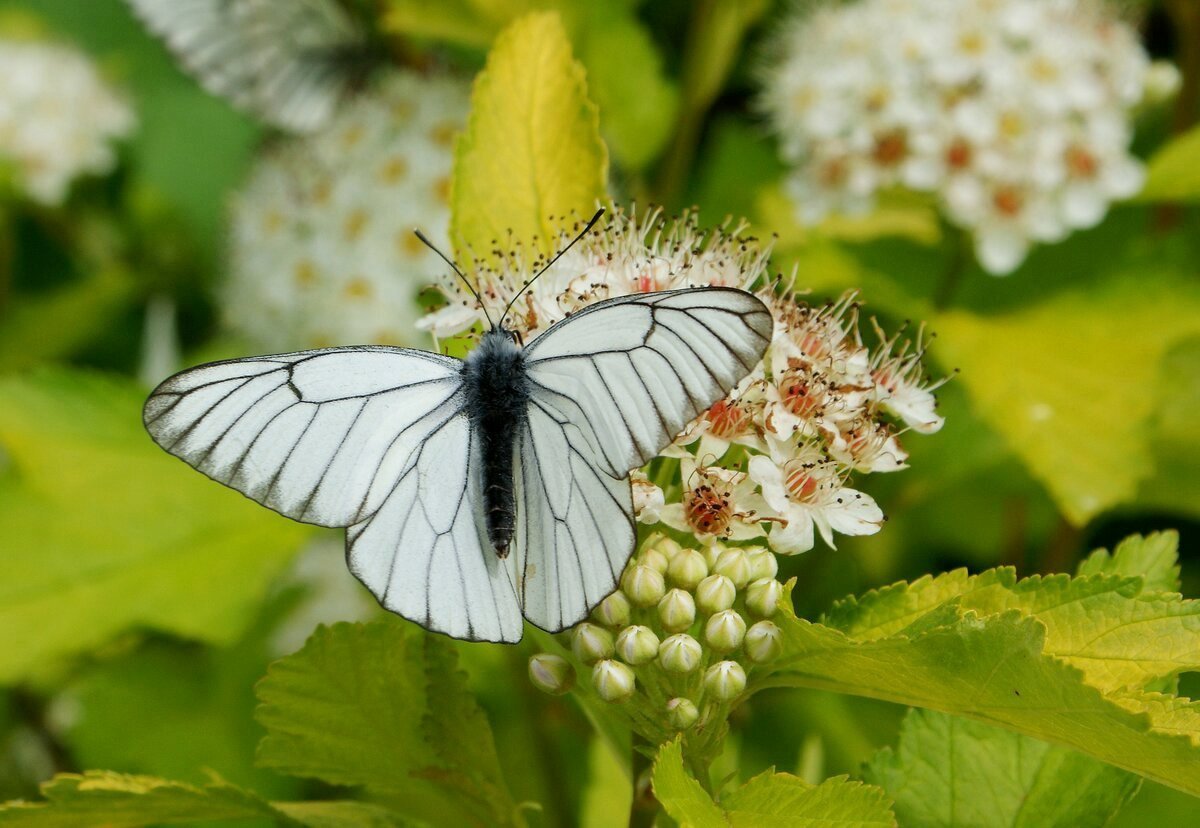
[
  {"x": 714, "y": 37},
  {"x": 643, "y": 812},
  {"x": 955, "y": 267}
]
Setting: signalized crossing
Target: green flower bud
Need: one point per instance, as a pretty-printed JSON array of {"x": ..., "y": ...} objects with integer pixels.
[
  {"x": 666, "y": 546},
  {"x": 682, "y": 713},
  {"x": 591, "y": 643},
  {"x": 613, "y": 611},
  {"x": 614, "y": 682},
  {"x": 654, "y": 559},
  {"x": 551, "y": 674},
  {"x": 637, "y": 645},
  {"x": 677, "y": 610},
  {"x": 712, "y": 554},
  {"x": 763, "y": 563},
  {"x": 688, "y": 568},
  {"x": 644, "y": 586},
  {"x": 735, "y": 566},
  {"x": 726, "y": 680},
  {"x": 724, "y": 631},
  {"x": 764, "y": 642},
  {"x": 715, "y": 593},
  {"x": 762, "y": 597},
  {"x": 679, "y": 654}
]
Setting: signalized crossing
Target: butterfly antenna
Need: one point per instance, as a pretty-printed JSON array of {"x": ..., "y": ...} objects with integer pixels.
[
  {"x": 549, "y": 264},
  {"x": 466, "y": 281}
]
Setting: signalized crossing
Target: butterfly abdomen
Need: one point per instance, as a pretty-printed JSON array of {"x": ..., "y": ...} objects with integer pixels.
[{"x": 497, "y": 395}]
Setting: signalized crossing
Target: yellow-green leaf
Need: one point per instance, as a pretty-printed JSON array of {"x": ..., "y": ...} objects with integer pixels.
[
  {"x": 103, "y": 531},
  {"x": 118, "y": 800},
  {"x": 996, "y": 668},
  {"x": 1173, "y": 173},
  {"x": 1071, "y": 383},
  {"x": 768, "y": 800},
  {"x": 1154, "y": 558},
  {"x": 532, "y": 149}
]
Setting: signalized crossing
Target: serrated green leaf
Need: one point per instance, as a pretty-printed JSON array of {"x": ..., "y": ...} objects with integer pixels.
[
  {"x": 104, "y": 531},
  {"x": 1120, "y": 634},
  {"x": 116, "y": 800},
  {"x": 1173, "y": 173},
  {"x": 948, "y": 771},
  {"x": 1040, "y": 374},
  {"x": 769, "y": 799},
  {"x": 532, "y": 147},
  {"x": 382, "y": 706},
  {"x": 996, "y": 669},
  {"x": 680, "y": 795},
  {"x": 780, "y": 799},
  {"x": 1154, "y": 558}
]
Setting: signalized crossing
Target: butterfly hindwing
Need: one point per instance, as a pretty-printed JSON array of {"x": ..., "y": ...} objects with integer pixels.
[
  {"x": 424, "y": 554},
  {"x": 610, "y": 387}
]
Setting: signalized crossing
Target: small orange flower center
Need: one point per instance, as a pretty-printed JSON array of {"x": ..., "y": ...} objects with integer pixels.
[
  {"x": 800, "y": 482},
  {"x": 890, "y": 148},
  {"x": 958, "y": 155},
  {"x": 707, "y": 510},
  {"x": 1081, "y": 163},
  {"x": 727, "y": 419},
  {"x": 1008, "y": 201}
]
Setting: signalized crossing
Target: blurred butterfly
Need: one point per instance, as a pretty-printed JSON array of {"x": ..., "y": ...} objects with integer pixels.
[
  {"x": 474, "y": 491},
  {"x": 289, "y": 62}
]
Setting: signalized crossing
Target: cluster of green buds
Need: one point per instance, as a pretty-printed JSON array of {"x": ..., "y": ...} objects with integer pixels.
[{"x": 677, "y": 645}]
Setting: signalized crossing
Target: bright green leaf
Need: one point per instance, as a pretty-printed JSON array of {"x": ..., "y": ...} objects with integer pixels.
[
  {"x": 769, "y": 799},
  {"x": 383, "y": 706},
  {"x": 1039, "y": 375},
  {"x": 680, "y": 794},
  {"x": 780, "y": 799},
  {"x": 532, "y": 147},
  {"x": 948, "y": 771},
  {"x": 116, "y": 800},
  {"x": 996, "y": 669},
  {"x": 1173, "y": 173},
  {"x": 1154, "y": 558},
  {"x": 104, "y": 531}
]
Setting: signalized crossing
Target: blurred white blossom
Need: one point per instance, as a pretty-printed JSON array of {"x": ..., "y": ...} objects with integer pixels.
[
  {"x": 323, "y": 251},
  {"x": 1015, "y": 113},
  {"x": 58, "y": 118}
]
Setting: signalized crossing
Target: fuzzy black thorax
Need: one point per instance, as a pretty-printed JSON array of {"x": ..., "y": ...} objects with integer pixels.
[{"x": 497, "y": 393}]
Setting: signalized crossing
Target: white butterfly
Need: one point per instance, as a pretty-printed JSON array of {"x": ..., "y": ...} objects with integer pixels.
[
  {"x": 440, "y": 467},
  {"x": 288, "y": 61}
]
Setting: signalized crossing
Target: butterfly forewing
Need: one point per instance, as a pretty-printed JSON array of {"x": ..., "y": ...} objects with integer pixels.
[
  {"x": 277, "y": 59},
  {"x": 320, "y": 436}
]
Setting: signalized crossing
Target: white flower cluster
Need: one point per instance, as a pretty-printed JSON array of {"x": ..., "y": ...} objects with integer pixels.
[
  {"x": 820, "y": 408},
  {"x": 626, "y": 254},
  {"x": 323, "y": 250},
  {"x": 1015, "y": 113},
  {"x": 58, "y": 118}
]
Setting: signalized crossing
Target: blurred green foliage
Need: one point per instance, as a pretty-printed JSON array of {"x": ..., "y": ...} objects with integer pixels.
[{"x": 140, "y": 602}]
